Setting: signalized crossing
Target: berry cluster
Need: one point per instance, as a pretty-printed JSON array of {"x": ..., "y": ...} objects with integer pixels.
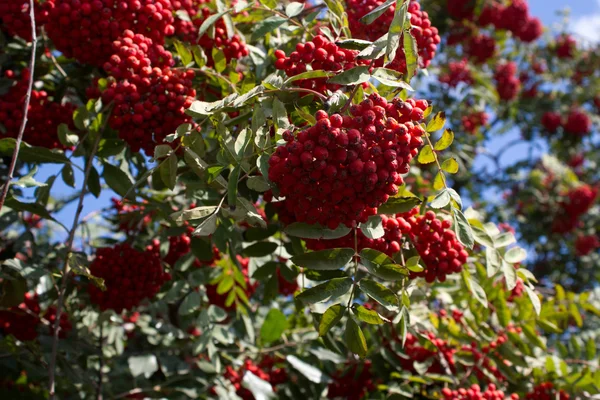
[
  {"x": 507, "y": 81},
  {"x": 14, "y": 17},
  {"x": 354, "y": 382},
  {"x": 585, "y": 244},
  {"x": 285, "y": 287},
  {"x": 319, "y": 54},
  {"x": 85, "y": 29},
  {"x": 578, "y": 201},
  {"x": 416, "y": 352},
  {"x": 437, "y": 245},
  {"x": 472, "y": 122},
  {"x": 566, "y": 46},
  {"x": 551, "y": 121},
  {"x": 475, "y": 393},
  {"x": 181, "y": 245},
  {"x": 64, "y": 324},
  {"x": 546, "y": 391},
  {"x": 130, "y": 276},
  {"x": 480, "y": 48},
  {"x": 577, "y": 122},
  {"x": 43, "y": 117},
  {"x": 131, "y": 218},
  {"x": 233, "y": 47},
  {"x": 21, "y": 321},
  {"x": 484, "y": 367},
  {"x": 458, "y": 71},
  {"x": 344, "y": 167},
  {"x": 220, "y": 299}
]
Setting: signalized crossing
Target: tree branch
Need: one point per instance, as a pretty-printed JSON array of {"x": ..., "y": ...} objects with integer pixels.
[{"x": 15, "y": 155}]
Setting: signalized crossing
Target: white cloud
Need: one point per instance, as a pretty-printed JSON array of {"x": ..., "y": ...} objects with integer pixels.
[{"x": 588, "y": 26}]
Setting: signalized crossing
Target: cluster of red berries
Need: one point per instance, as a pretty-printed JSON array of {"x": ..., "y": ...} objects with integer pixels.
[
  {"x": 65, "y": 325},
  {"x": 43, "y": 117},
  {"x": 585, "y": 244},
  {"x": 181, "y": 245},
  {"x": 416, "y": 352},
  {"x": 475, "y": 393},
  {"x": 458, "y": 71},
  {"x": 566, "y": 46},
  {"x": 15, "y": 20},
  {"x": 507, "y": 81},
  {"x": 233, "y": 47},
  {"x": 480, "y": 48},
  {"x": 577, "y": 123},
  {"x": 21, "y": 321},
  {"x": 220, "y": 299},
  {"x": 285, "y": 287},
  {"x": 426, "y": 36},
  {"x": 344, "y": 167},
  {"x": 131, "y": 218},
  {"x": 319, "y": 54},
  {"x": 77, "y": 26},
  {"x": 546, "y": 391},
  {"x": 472, "y": 122},
  {"x": 353, "y": 382},
  {"x": 577, "y": 202},
  {"x": 265, "y": 370},
  {"x": 130, "y": 276}
]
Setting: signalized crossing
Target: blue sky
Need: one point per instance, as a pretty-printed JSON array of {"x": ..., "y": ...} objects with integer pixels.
[{"x": 585, "y": 23}]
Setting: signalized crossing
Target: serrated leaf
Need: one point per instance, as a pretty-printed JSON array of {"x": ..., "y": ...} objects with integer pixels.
[
  {"x": 316, "y": 231},
  {"x": 116, "y": 179},
  {"x": 515, "y": 255},
  {"x": 373, "y": 228},
  {"x": 369, "y": 316},
  {"x": 411, "y": 53},
  {"x": 482, "y": 237},
  {"x": 390, "y": 78},
  {"x": 330, "y": 259},
  {"x": 319, "y": 73},
  {"x": 168, "y": 171},
  {"x": 395, "y": 31},
  {"x": 382, "y": 266},
  {"x": 510, "y": 275},
  {"x": 504, "y": 239},
  {"x": 441, "y": 200},
  {"x": 330, "y": 318},
  {"x": 437, "y": 123},
  {"x": 294, "y": 9},
  {"x": 413, "y": 264},
  {"x": 463, "y": 230},
  {"x": 208, "y": 22},
  {"x": 260, "y": 389},
  {"x": 258, "y": 184},
  {"x": 93, "y": 182},
  {"x": 207, "y": 227},
  {"x": 353, "y": 76},
  {"x": 370, "y": 17},
  {"x": 379, "y": 293},
  {"x": 274, "y": 325},
  {"x": 267, "y": 25},
  {"x": 445, "y": 141},
  {"x": 355, "y": 339},
  {"x": 184, "y": 53},
  {"x": 478, "y": 292},
  {"x": 194, "y": 213},
  {"x": 450, "y": 165},
  {"x": 327, "y": 291},
  {"x": 426, "y": 156},
  {"x": 439, "y": 182},
  {"x": 353, "y": 44},
  {"x": 396, "y": 205}
]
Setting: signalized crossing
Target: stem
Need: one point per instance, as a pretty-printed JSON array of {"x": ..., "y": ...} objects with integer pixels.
[
  {"x": 437, "y": 161},
  {"x": 67, "y": 272},
  {"x": 15, "y": 155}
]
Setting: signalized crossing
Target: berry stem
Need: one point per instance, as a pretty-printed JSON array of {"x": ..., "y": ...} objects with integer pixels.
[{"x": 13, "y": 162}]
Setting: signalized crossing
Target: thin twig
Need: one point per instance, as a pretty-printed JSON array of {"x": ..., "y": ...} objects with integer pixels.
[
  {"x": 15, "y": 155},
  {"x": 66, "y": 270},
  {"x": 437, "y": 161},
  {"x": 54, "y": 60}
]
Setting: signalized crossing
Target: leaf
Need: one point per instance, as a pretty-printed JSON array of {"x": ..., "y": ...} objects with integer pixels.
[
  {"x": 441, "y": 200},
  {"x": 190, "y": 303},
  {"x": 168, "y": 171},
  {"x": 258, "y": 184},
  {"x": 463, "y": 229},
  {"x": 515, "y": 255},
  {"x": 477, "y": 291},
  {"x": 396, "y": 205},
  {"x": 280, "y": 114},
  {"x": 450, "y": 165},
  {"x": 445, "y": 141},
  {"x": 355, "y": 339},
  {"x": 482, "y": 237},
  {"x": 143, "y": 365},
  {"x": 504, "y": 239},
  {"x": 28, "y": 181},
  {"x": 411, "y": 54},
  {"x": 34, "y": 208},
  {"x": 327, "y": 291},
  {"x": 413, "y": 264},
  {"x": 318, "y": 73},
  {"x": 260, "y": 249},
  {"x": 395, "y": 31},
  {"x": 316, "y": 231},
  {"x": 194, "y": 213},
  {"x": 437, "y": 123},
  {"x": 311, "y": 373},
  {"x": 390, "y": 78},
  {"x": 116, "y": 179},
  {"x": 375, "y": 50},
  {"x": 207, "y": 227},
  {"x": 66, "y": 137},
  {"x": 370, "y": 17},
  {"x": 294, "y": 9},
  {"x": 502, "y": 310},
  {"x": 439, "y": 182},
  {"x": 267, "y": 25},
  {"x": 232, "y": 187},
  {"x": 510, "y": 274},
  {"x": 380, "y": 294},
  {"x": 219, "y": 60},
  {"x": 68, "y": 175},
  {"x": 241, "y": 143},
  {"x": 32, "y": 154},
  {"x": 382, "y": 266},
  {"x": 274, "y": 326},
  {"x": 353, "y": 44},
  {"x": 330, "y": 318},
  {"x": 369, "y": 316},
  {"x": 184, "y": 53},
  {"x": 330, "y": 259},
  {"x": 208, "y": 22},
  {"x": 260, "y": 389},
  {"x": 354, "y": 76},
  {"x": 426, "y": 156},
  {"x": 373, "y": 228},
  {"x": 336, "y": 101}
]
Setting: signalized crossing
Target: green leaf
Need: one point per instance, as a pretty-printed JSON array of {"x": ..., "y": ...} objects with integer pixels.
[
  {"x": 373, "y": 228},
  {"x": 515, "y": 255},
  {"x": 194, "y": 213},
  {"x": 259, "y": 388},
  {"x": 241, "y": 143},
  {"x": 208, "y": 22},
  {"x": 318, "y": 73},
  {"x": 93, "y": 182},
  {"x": 330, "y": 259},
  {"x": 370, "y": 17},
  {"x": 232, "y": 187},
  {"x": 219, "y": 59},
  {"x": 411, "y": 53},
  {"x": 439, "y": 182},
  {"x": 116, "y": 179},
  {"x": 327, "y": 291},
  {"x": 441, "y": 200},
  {"x": 311, "y": 373},
  {"x": 68, "y": 175},
  {"x": 450, "y": 165},
  {"x": 66, "y": 137},
  {"x": 504, "y": 239},
  {"x": 355, "y": 339},
  {"x": 168, "y": 171},
  {"x": 260, "y": 249},
  {"x": 336, "y": 101},
  {"x": 184, "y": 53},
  {"x": 395, "y": 31},
  {"x": 437, "y": 123},
  {"x": 32, "y": 154},
  {"x": 207, "y": 227},
  {"x": 502, "y": 310},
  {"x": 534, "y": 298},
  {"x": 34, "y": 208},
  {"x": 354, "y": 76},
  {"x": 477, "y": 291},
  {"x": 510, "y": 274},
  {"x": 426, "y": 156},
  {"x": 380, "y": 294},
  {"x": 190, "y": 303},
  {"x": 413, "y": 264},
  {"x": 353, "y": 44},
  {"x": 265, "y": 26},
  {"x": 445, "y": 141},
  {"x": 280, "y": 114},
  {"x": 482, "y": 237},
  {"x": 463, "y": 230},
  {"x": 28, "y": 181},
  {"x": 590, "y": 349},
  {"x": 258, "y": 184},
  {"x": 143, "y": 365},
  {"x": 369, "y": 316},
  {"x": 330, "y": 318},
  {"x": 396, "y": 205},
  {"x": 382, "y": 266},
  {"x": 269, "y": 3},
  {"x": 274, "y": 326},
  {"x": 316, "y": 231},
  {"x": 375, "y": 50},
  {"x": 294, "y": 9}
]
